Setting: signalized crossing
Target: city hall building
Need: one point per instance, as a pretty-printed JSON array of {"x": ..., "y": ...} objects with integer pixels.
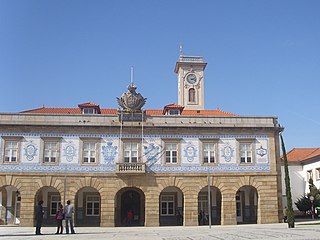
[{"x": 180, "y": 165}]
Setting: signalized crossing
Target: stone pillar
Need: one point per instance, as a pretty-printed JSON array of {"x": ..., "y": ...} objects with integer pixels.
[
  {"x": 27, "y": 210},
  {"x": 152, "y": 208},
  {"x": 3, "y": 206},
  {"x": 268, "y": 204},
  {"x": 228, "y": 209},
  {"x": 9, "y": 210},
  {"x": 107, "y": 208},
  {"x": 190, "y": 216}
]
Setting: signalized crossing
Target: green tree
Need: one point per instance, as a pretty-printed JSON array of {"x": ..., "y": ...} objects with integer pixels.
[
  {"x": 303, "y": 204},
  {"x": 290, "y": 214}
]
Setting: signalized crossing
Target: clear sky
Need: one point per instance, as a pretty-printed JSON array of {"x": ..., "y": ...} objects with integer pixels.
[{"x": 263, "y": 56}]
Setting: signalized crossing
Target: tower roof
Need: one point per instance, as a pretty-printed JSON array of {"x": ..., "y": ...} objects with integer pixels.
[{"x": 194, "y": 60}]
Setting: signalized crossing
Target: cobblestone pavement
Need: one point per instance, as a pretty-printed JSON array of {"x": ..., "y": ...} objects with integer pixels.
[{"x": 239, "y": 232}]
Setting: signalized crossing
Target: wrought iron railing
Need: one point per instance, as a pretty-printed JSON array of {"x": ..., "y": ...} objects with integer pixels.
[{"x": 131, "y": 168}]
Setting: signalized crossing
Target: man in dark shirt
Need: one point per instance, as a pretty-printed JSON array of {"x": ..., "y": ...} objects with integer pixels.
[{"x": 39, "y": 217}]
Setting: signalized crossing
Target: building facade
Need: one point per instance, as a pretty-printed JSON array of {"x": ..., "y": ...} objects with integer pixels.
[
  {"x": 180, "y": 165},
  {"x": 303, "y": 164}
]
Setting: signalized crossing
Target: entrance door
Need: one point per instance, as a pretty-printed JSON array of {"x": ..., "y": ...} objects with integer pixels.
[
  {"x": 239, "y": 207},
  {"x": 130, "y": 208}
]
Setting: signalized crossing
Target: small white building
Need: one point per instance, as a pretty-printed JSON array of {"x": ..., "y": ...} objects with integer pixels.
[{"x": 304, "y": 163}]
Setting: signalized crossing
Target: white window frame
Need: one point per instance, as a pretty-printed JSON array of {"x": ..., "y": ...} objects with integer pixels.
[
  {"x": 89, "y": 111},
  {"x": 246, "y": 153},
  {"x": 96, "y": 199},
  {"x": 167, "y": 202},
  {"x": 89, "y": 152},
  {"x": 130, "y": 152},
  {"x": 210, "y": 152},
  {"x": 50, "y": 151},
  {"x": 171, "y": 153},
  {"x": 54, "y": 200},
  {"x": 318, "y": 173},
  {"x": 174, "y": 111},
  {"x": 11, "y": 151}
]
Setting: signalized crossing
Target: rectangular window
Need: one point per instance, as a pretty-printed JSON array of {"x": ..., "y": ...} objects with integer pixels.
[
  {"x": 203, "y": 203},
  {"x": 318, "y": 173},
  {"x": 171, "y": 152},
  {"x": 309, "y": 175},
  {"x": 245, "y": 153},
  {"x": 167, "y": 205},
  {"x": 55, "y": 201},
  {"x": 208, "y": 152},
  {"x": 89, "y": 111},
  {"x": 50, "y": 152},
  {"x": 130, "y": 152},
  {"x": 174, "y": 112},
  {"x": 93, "y": 206},
  {"x": 89, "y": 152},
  {"x": 11, "y": 151}
]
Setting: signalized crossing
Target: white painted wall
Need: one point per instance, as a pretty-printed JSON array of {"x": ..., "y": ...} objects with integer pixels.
[
  {"x": 299, "y": 181},
  {"x": 296, "y": 182}
]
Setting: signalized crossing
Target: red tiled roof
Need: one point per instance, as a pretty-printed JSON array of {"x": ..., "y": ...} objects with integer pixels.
[
  {"x": 88, "y": 104},
  {"x": 46, "y": 110},
  {"x": 152, "y": 112},
  {"x": 301, "y": 154},
  {"x": 214, "y": 113},
  {"x": 173, "y": 105}
]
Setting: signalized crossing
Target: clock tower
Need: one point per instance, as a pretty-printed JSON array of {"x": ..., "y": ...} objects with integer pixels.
[{"x": 190, "y": 70}]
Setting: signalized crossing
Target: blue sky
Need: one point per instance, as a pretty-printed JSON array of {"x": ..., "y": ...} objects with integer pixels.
[{"x": 263, "y": 56}]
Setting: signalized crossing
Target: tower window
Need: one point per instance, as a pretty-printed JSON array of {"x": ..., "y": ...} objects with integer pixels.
[{"x": 192, "y": 95}]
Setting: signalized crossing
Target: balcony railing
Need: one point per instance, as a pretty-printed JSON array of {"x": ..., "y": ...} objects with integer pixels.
[
  {"x": 131, "y": 168},
  {"x": 191, "y": 59}
]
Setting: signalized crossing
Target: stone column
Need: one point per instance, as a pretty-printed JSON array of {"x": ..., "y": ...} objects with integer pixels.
[
  {"x": 3, "y": 206},
  {"x": 268, "y": 203},
  {"x": 27, "y": 210},
  {"x": 228, "y": 209},
  {"x": 190, "y": 209},
  {"x": 9, "y": 209},
  {"x": 107, "y": 208},
  {"x": 152, "y": 208}
]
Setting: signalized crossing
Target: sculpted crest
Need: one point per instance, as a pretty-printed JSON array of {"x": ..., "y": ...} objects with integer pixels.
[{"x": 131, "y": 101}]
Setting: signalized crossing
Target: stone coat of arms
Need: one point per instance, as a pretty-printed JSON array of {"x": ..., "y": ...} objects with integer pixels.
[{"x": 131, "y": 101}]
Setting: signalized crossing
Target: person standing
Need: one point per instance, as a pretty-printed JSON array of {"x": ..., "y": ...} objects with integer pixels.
[
  {"x": 129, "y": 217},
  {"x": 59, "y": 218},
  {"x": 68, "y": 211},
  {"x": 39, "y": 217}
]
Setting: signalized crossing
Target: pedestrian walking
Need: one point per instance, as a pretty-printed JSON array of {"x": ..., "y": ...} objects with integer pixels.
[
  {"x": 68, "y": 211},
  {"x": 59, "y": 218},
  {"x": 39, "y": 217}
]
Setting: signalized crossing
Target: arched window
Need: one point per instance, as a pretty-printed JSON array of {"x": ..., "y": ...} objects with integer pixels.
[{"x": 192, "y": 95}]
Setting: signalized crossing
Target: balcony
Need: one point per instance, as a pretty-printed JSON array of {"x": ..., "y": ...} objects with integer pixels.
[{"x": 131, "y": 168}]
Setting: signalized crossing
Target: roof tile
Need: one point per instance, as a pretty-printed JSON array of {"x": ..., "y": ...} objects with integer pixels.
[{"x": 301, "y": 154}]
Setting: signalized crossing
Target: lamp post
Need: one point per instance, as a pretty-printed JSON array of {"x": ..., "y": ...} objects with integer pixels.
[
  {"x": 312, "y": 210},
  {"x": 209, "y": 200}
]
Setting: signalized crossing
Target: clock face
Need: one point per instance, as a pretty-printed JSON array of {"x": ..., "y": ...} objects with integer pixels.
[{"x": 191, "y": 78}]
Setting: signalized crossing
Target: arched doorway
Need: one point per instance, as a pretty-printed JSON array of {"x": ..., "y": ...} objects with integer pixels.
[
  {"x": 51, "y": 199},
  {"x": 214, "y": 205},
  {"x": 246, "y": 205},
  {"x": 171, "y": 207},
  {"x": 87, "y": 207},
  {"x": 130, "y": 207},
  {"x": 10, "y": 202}
]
